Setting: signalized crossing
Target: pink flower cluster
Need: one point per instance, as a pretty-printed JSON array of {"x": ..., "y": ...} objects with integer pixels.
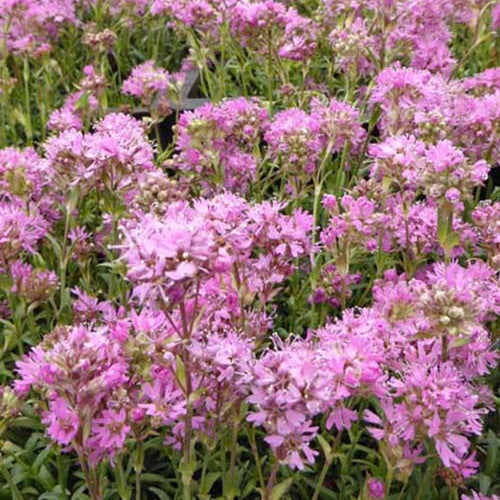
[
  {"x": 111, "y": 157},
  {"x": 440, "y": 171},
  {"x": 270, "y": 28},
  {"x": 202, "y": 15},
  {"x": 417, "y": 102},
  {"x": 392, "y": 351},
  {"x": 83, "y": 374},
  {"x": 20, "y": 231},
  {"x": 34, "y": 285},
  {"x": 79, "y": 106},
  {"x": 30, "y": 27},
  {"x": 210, "y": 240},
  {"x": 222, "y": 143},
  {"x": 299, "y": 139},
  {"x": 216, "y": 143},
  {"x": 300, "y": 379},
  {"x": 154, "y": 87},
  {"x": 417, "y": 31}
]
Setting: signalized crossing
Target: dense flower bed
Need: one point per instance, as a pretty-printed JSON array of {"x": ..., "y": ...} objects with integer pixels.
[{"x": 279, "y": 283}]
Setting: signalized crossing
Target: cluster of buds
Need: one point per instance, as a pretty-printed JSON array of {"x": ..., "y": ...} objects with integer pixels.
[
  {"x": 6, "y": 84},
  {"x": 449, "y": 315},
  {"x": 350, "y": 45},
  {"x": 293, "y": 138},
  {"x": 34, "y": 285},
  {"x": 449, "y": 175},
  {"x": 103, "y": 41},
  {"x": 334, "y": 286},
  {"x": 81, "y": 244},
  {"x": 155, "y": 87},
  {"x": 432, "y": 125},
  {"x": 455, "y": 300},
  {"x": 19, "y": 184},
  {"x": 157, "y": 191},
  {"x": 92, "y": 82},
  {"x": 9, "y": 404},
  {"x": 486, "y": 218}
]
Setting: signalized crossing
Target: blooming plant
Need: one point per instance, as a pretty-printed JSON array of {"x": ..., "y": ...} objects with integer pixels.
[{"x": 249, "y": 249}]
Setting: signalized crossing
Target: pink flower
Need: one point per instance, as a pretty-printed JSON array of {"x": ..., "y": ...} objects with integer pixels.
[
  {"x": 109, "y": 433},
  {"x": 162, "y": 255},
  {"x": 154, "y": 86},
  {"x": 216, "y": 143},
  {"x": 376, "y": 489},
  {"x": 479, "y": 496},
  {"x": 293, "y": 35},
  {"x": 34, "y": 285},
  {"x": 76, "y": 369},
  {"x": 300, "y": 379},
  {"x": 19, "y": 230},
  {"x": 431, "y": 402},
  {"x": 294, "y": 140},
  {"x": 62, "y": 420}
]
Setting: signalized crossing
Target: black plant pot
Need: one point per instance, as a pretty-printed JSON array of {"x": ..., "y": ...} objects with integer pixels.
[
  {"x": 191, "y": 98},
  {"x": 492, "y": 182}
]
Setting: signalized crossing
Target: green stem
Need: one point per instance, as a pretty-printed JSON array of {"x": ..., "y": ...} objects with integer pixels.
[
  {"x": 444, "y": 348},
  {"x": 255, "y": 452},
  {"x": 270, "y": 75},
  {"x": 321, "y": 478},
  {"x": 138, "y": 468},
  {"x": 91, "y": 479},
  {"x": 232, "y": 457},
  {"x": 187, "y": 475},
  {"x": 27, "y": 119},
  {"x": 403, "y": 489},
  {"x": 63, "y": 265},
  {"x": 60, "y": 476},
  {"x": 16, "y": 494},
  {"x": 271, "y": 482},
  {"x": 388, "y": 482}
]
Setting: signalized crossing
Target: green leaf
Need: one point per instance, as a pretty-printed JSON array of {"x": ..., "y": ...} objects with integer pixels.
[
  {"x": 180, "y": 372},
  {"x": 40, "y": 459},
  {"x": 327, "y": 449},
  {"x": 83, "y": 101},
  {"x": 19, "y": 116},
  {"x": 484, "y": 483},
  {"x": 194, "y": 396},
  {"x": 149, "y": 477},
  {"x": 208, "y": 482},
  {"x": 280, "y": 489},
  {"x": 452, "y": 240},
  {"x": 159, "y": 493},
  {"x": 56, "y": 494},
  {"x": 16, "y": 494},
  {"x": 249, "y": 488},
  {"x": 46, "y": 478},
  {"x": 460, "y": 342}
]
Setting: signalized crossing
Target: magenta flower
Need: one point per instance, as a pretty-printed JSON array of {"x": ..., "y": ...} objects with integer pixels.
[
  {"x": 293, "y": 35},
  {"x": 77, "y": 370},
  {"x": 62, "y": 420},
  {"x": 216, "y": 143},
  {"x": 32, "y": 284},
  {"x": 293, "y": 138},
  {"x": 19, "y": 231},
  {"x": 479, "y": 496},
  {"x": 376, "y": 489},
  {"x": 162, "y": 255},
  {"x": 154, "y": 86},
  {"x": 109, "y": 433},
  {"x": 446, "y": 410}
]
